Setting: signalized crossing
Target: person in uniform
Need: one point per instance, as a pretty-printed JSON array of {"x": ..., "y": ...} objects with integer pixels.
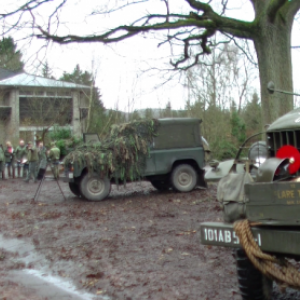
[
  {"x": 20, "y": 157},
  {"x": 8, "y": 153},
  {"x": 2, "y": 161},
  {"x": 32, "y": 158},
  {"x": 53, "y": 157},
  {"x": 42, "y": 160}
]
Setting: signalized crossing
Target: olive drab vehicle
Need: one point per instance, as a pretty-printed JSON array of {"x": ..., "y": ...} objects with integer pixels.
[
  {"x": 262, "y": 214},
  {"x": 167, "y": 152}
]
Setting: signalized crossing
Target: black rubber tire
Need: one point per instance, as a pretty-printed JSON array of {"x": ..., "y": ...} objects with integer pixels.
[
  {"x": 253, "y": 284},
  {"x": 161, "y": 185},
  {"x": 94, "y": 188},
  {"x": 184, "y": 178},
  {"x": 74, "y": 188}
]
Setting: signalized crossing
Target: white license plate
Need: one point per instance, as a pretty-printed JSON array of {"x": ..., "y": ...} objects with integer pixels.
[{"x": 223, "y": 237}]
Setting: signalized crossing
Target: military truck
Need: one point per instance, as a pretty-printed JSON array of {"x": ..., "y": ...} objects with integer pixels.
[
  {"x": 167, "y": 152},
  {"x": 268, "y": 209}
]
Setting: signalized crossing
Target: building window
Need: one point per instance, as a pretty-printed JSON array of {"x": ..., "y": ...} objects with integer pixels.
[{"x": 36, "y": 111}]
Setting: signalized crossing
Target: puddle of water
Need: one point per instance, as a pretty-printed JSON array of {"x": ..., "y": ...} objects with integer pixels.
[
  {"x": 15, "y": 245},
  {"x": 25, "y": 250},
  {"x": 28, "y": 255},
  {"x": 64, "y": 285}
]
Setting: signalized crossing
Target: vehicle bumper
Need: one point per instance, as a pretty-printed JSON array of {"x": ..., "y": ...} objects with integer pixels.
[
  {"x": 281, "y": 240},
  {"x": 67, "y": 177}
]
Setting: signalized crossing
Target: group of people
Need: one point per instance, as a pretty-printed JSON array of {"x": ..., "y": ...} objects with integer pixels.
[{"x": 29, "y": 160}]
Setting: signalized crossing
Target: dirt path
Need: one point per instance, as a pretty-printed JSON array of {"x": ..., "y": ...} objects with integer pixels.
[{"x": 138, "y": 244}]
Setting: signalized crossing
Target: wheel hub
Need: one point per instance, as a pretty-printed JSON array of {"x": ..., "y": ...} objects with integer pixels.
[
  {"x": 95, "y": 185},
  {"x": 184, "y": 179}
]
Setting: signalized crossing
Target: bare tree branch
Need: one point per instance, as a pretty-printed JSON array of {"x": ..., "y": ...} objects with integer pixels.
[
  {"x": 246, "y": 52},
  {"x": 32, "y": 4},
  {"x": 95, "y": 12},
  {"x": 168, "y": 10}
]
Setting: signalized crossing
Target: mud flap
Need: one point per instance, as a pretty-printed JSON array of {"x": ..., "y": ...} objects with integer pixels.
[{"x": 201, "y": 181}]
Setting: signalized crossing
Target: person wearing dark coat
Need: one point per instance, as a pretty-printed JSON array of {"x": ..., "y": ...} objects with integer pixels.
[
  {"x": 8, "y": 153},
  {"x": 42, "y": 154},
  {"x": 2, "y": 161}
]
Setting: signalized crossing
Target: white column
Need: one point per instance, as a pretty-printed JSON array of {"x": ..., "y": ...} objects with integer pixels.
[
  {"x": 13, "y": 123},
  {"x": 76, "y": 114}
]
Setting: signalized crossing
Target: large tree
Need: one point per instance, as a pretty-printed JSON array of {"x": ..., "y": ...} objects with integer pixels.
[{"x": 190, "y": 23}]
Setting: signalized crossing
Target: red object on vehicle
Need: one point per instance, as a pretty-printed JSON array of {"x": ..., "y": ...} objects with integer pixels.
[{"x": 293, "y": 155}]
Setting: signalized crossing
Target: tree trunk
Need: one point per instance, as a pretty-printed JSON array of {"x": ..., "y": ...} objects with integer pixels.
[{"x": 272, "y": 44}]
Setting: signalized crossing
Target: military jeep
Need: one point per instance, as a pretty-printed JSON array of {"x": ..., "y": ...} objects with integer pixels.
[
  {"x": 271, "y": 205},
  {"x": 175, "y": 159}
]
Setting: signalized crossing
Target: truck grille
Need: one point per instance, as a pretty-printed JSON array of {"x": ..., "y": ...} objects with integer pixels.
[{"x": 276, "y": 140}]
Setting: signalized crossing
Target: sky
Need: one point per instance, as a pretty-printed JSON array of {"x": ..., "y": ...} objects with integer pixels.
[
  {"x": 127, "y": 73},
  {"x": 123, "y": 71}
]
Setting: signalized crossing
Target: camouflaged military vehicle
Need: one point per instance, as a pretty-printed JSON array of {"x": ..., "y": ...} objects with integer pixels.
[
  {"x": 167, "y": 152},
  {"x": 262, "y": 215}
]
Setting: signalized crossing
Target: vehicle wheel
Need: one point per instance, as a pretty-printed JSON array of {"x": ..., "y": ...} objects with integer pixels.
[
  {"x": 94, "y": 188},
  {"x": 184, "y": 178},
  {"x": 161, "y": 185},
  {"x": 74, "y": 187},
  {"x": 252, "y": 283}
]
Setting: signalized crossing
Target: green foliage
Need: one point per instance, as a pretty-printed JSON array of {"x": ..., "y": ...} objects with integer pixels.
[
  {"x": 10, "y": 57},
  {"x": 122, "y": 155},
  {"x": 64, "y": 139},
  {"x": 252, "y": 115},
  {"x": 223, "y": 149},
  {"x": 59, "y": 133},
  {"x": 238, "y": 127},
  {"x": 67, "y": 145},
  {"x": 62, "y": 147},
  {"x": 78, "y": 76}
]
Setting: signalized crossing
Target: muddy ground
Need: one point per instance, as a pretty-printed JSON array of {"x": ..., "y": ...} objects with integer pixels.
[{"x": 138, "y": 244}]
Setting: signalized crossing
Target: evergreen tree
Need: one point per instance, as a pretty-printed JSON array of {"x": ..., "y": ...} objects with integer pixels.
[
  {"x": 252, "y": 115},
  {"x": 78, "y": 76},
  {"x": 238, "y": 127},
  {"x": 10, "y": 57},
  {"x": 46, "y": 71}
]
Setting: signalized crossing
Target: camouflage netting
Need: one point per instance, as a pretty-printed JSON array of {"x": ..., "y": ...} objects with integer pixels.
[{"x": 122, "y": 155}]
